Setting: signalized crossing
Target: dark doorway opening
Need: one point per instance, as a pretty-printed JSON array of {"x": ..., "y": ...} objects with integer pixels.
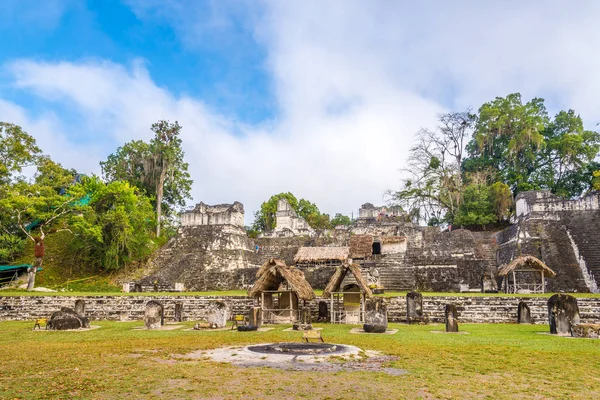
[{"x": 376, "y": 247}]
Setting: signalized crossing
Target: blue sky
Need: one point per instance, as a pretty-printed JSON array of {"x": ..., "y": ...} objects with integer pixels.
[
  {"x": 318, "y": 97},
  {"x": 225, "y": 67}
]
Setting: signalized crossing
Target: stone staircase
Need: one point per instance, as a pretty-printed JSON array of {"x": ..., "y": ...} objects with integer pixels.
[
  {"x": 584, "y": 228},
  {"x": 394, "y": 273}
]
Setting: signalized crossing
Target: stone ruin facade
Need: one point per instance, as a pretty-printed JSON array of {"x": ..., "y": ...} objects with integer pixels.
[
  {"x": 212, "y": 250},
  {"x": 220, "y": 214},
  {"x": 288, "y": 223}
]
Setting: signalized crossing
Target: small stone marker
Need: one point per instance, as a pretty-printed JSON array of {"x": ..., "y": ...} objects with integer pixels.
[
  {"x": 80, "y": 307},
  {"x": 153, "y": 318},
  {"x": 523, "y": 313},
  {"x": 375, "y": 315},
  {"x": 563, "y": 313},
  {"x": 451, "y": 316},
  {"x": 65, "y": 319},
  {"x": 178, "y": 312},
  {"x": 323, "y": 312},
  {"x": 217, "y": 314},
  {"x": 414, "y": 308},
  {"x": 586, "y": 331}
]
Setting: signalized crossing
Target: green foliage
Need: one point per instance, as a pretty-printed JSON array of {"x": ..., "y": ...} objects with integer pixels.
[
  {"x": 340, "y": 219},
  {"x": 116, "y": 225},
  {"x": 476, "y": 207},
  {"x": 11, "y": 247},
  {"x": 596, "y": 180}
]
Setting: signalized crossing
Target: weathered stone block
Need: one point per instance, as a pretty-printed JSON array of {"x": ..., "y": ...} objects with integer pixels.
[
  {"x": 414, "y": 308},
  {"x": 218, "y": 313},
  {"x": 563, "y": 313},
  {"x": 153, "y": 317},
  {"x": 255, "y": 317},
  {"x": 80, "y": 307},
  {"x": 586, "y": 330},
  {"x": 523, "y": 313},
  {"x": 376, "y": 319},
  {"x": 178, "y": 315},
  {"x": 451, "y": 316}
]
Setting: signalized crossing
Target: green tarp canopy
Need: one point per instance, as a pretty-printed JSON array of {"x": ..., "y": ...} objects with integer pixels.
[{"x": 15, "y": 267}]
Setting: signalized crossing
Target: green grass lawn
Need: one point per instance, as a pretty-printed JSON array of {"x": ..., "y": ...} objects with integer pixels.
[{"x": 494, "y": 361}]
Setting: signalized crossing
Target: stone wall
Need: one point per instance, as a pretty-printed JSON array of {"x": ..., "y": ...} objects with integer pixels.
[{"x": 486, "y": 309}]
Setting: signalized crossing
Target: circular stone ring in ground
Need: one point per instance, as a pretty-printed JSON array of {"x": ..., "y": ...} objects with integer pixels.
[{"x": 299, "y": 349}]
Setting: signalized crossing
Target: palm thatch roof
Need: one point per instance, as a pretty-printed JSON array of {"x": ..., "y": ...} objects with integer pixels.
[
  {"x": 361, "y": 245},
  {"x": 273, "y": 272},
  {"x": 338, "y": 276},
  {"x": 321, "y": 254},
  {"x": 526, "y": 261}
]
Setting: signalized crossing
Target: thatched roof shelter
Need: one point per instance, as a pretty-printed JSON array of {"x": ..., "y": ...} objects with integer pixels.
[
  {"x": 526, "y": 262},
  {"x": 361, "y": 245},
  {"x": 340, "y": 273},
  {"x": 273, "y": 272},
  {"x": 321, "y": 254}
]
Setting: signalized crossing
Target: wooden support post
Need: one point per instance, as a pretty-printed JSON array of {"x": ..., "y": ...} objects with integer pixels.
[
  {"x": 292, "y": 316},
  {"x": 514, "y": 282},
  {"x": 543, "y": 283},
  {"x": 262, "y": 306},
  {"x": 331, "y": 313}
]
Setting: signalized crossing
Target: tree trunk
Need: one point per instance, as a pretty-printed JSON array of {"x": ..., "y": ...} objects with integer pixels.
[
  {"x": 32, "y": 271},
  {"x": 159, "y": 196}
]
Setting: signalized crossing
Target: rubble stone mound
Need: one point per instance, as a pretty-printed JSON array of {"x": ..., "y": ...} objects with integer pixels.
[{"x": 66, "y": 319}]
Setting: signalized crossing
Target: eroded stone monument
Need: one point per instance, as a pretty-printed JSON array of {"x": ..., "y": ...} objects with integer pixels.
[
  {"x": 217, "y": 314},
  {"x": 414, "y": 308},
  {"x": 523, "y": 313},
  {"x": 80, "y": 307},
  {"x": 451, "y": 316},
  {"x": 376, "y": 320},
  {"x": 178, "y": 312},
  {"x": 563, "y": 313},
  {"x": 153, "y": 318}
]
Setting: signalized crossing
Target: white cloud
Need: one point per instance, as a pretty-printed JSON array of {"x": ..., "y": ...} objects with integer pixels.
[{"x": 353, "y": 81}]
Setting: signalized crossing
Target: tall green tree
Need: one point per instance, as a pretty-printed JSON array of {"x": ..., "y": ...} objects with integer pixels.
[{"x": 158, "y": 167}]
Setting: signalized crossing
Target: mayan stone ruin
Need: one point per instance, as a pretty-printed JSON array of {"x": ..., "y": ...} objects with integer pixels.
[{"x": 213, "y": 252}]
